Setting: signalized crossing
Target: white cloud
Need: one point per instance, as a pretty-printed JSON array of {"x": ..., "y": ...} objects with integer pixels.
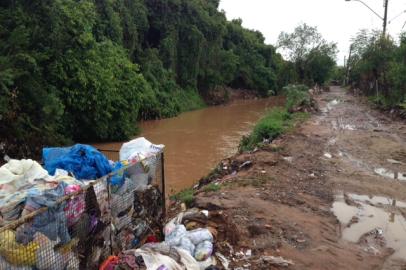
[{"x": 337, "y": 20}]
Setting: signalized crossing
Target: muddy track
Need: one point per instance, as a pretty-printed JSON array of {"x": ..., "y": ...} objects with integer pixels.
[{"x": 329, "y": 195}]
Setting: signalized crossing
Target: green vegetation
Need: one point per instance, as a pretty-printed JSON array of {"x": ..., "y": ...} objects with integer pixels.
[
  {"x": 88, "y": 70},
  {"x": 185, "y": 196},
  {"x": 212, "y": 187},
  {"x": 296, "y": 95},
  {"x": 278, "y": 120},
  {"x": 377, "y": 67}
]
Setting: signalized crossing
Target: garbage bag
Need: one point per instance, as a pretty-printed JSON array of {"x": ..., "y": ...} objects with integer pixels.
[
  {"x": 5, "y": 265},
  {"x": 15, "y": 253},
  {"x": 139, "y": 147},
  {"x": 176, "y": 235},
  {"x": 187, "y": 245},
  {"x": 84, "y": 162},
  {"x": 117, "y": 179},
  {"x": 203, "y": 251},
  {"x": 16, "y": 174},
  {"x": 200, "y": 235},
  {"x": 158, "y": 257}
]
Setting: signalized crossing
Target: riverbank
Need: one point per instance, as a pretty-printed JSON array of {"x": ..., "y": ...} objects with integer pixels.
[{"x": 312, "y": 194}]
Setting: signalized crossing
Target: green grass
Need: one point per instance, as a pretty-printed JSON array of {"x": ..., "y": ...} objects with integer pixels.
[
  {"x": 211, "y": 188},
  {"x": 275, "y": 123},
  {"x": 186, "y": 196}
]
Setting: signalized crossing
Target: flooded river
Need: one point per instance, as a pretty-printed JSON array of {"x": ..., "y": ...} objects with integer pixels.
[{"x": 196, "y": 141}]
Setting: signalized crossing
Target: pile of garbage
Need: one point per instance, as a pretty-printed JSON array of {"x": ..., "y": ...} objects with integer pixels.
[
  {"x": 70, "y": 212},
  {"x": 189, "y": 244}
]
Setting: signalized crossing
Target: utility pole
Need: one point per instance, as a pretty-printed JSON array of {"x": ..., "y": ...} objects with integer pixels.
[
  {"x": 385, "y": 17},
  {"x": 347, "y": 72}
]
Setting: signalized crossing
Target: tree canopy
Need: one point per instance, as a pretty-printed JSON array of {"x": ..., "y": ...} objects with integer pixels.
[
  {"x": 313, "y": 57},
  {"x": 377, "y": 66},
  {"x": 88, "y": 70}
]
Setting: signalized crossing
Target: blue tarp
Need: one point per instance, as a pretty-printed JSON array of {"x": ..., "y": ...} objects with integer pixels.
[{"x": 84, "y": 162}]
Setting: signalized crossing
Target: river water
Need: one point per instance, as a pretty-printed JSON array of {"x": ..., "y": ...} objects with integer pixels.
[{"x": 196, "y": 141}]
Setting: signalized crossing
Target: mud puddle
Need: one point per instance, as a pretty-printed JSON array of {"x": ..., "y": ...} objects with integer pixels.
[{"x": 362, "y": 216}]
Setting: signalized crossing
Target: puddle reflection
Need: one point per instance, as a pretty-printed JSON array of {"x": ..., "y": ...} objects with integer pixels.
[{"x": 372, "y": 213}]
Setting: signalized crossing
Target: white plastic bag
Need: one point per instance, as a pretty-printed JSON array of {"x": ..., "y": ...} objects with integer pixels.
[
  {"x": 18, "y": 173},
  {"x": 139, "y": 147},
  {"x": 200, "y": 235},
  {"x": 203, "y": 251},
  {"x": 187, "y": 245},
  {"x": 173, "y": 239},
  {"x": 153, "y": 259}
]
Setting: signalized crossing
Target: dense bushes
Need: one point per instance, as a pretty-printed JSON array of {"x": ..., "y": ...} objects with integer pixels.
[
  {"x": 296, "y": 96},
  {"x": 88, "y": 70},
  {"x": 378, "y": 66}
]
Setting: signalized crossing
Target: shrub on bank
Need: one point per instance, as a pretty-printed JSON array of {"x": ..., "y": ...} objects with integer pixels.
[
  {"x": 279, "y": 120},
  {"x": 296, "y": 96},
  {"x": 268, "y": 128}
]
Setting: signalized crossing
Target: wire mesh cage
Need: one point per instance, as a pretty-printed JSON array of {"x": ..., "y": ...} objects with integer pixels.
[{"x": 76, "y": 226}]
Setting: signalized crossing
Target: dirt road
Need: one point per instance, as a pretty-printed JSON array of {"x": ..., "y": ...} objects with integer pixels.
[{"x": 329, "y": 195}]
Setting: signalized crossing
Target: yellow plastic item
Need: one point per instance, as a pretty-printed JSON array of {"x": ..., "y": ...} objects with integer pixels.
[{"x": 15, "y": 253}]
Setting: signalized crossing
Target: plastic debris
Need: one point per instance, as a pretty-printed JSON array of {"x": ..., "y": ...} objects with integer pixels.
[
  {"x": 392, "y": 161},
  {"x": 203, "y": 250},
  {"x": 224, "y": 261},
  {"x": 328, "y": 155},
  {"x": 138, "y": 148},
  {"x": 288, "y": 159},
  {"x": 84, "y": 162},
  {"x": 161, "y": 256},
  {"x": 278, "y": 261},
  {"x": 200, "y": 235},
  {"x": 248, "y": 253},
  {"x": 246, "y": 164}
]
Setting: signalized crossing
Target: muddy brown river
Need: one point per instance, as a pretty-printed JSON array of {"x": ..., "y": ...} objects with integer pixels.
[{"x": 196, "y": 141}]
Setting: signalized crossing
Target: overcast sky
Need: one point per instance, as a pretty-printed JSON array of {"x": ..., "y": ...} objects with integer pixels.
[{"x": 337, "y": 20}]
